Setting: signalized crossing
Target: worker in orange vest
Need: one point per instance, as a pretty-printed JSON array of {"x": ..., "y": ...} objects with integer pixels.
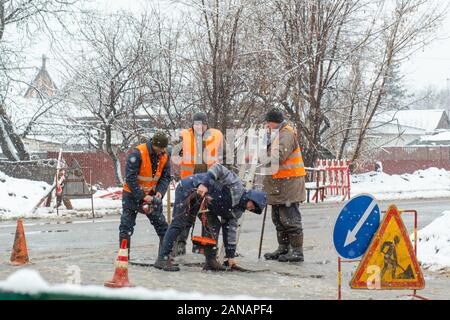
[
  {"x": 201, "y": 148},
  {"x": 285, "y": 187},
  {"x": 147, "y": 177}
]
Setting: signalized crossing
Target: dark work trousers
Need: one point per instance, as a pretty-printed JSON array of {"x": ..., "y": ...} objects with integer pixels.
[
  {"x": 287, "y": 220},
  {"x": 184, "y": 214},
  {"x": 184, "y": 235},
  {"x": 130, "y": 212},
  {"x": 199, "y": 168}
]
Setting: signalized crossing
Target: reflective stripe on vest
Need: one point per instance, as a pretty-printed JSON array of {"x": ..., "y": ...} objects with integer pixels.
[
  {"x": 213, "y": 143},
  {"x": 293, "y": 166},
  {"x": 145, "y": 177}
]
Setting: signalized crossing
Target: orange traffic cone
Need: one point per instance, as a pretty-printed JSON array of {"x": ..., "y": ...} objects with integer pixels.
[
  {"x": 19, "y": 254},
  {"x": 120, "y": 278}
]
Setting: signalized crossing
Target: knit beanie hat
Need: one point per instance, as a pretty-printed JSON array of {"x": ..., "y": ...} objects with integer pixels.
[
  {"x": 274, "y": 115},
  {"x": 200, "y": 117},
  {"x": 160, "y": 140}
]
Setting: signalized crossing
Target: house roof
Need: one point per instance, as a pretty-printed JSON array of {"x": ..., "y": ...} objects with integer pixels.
[
  {"x": 441, "y": 138},
  {"x": 42, "y": 83},
  {"x": 414, "y": 121}
]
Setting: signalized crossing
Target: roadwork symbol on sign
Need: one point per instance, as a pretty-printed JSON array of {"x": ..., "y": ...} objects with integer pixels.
[
  {"x": 390, "y": 262},
  {"x": 355, "y": 226}
]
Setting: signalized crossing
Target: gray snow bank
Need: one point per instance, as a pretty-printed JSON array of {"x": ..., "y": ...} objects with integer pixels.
[
  {"x": 28, "y": 281},
  {"x": 433, "y": 250}
]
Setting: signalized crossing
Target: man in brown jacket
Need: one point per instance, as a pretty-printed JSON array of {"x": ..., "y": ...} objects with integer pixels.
[{"x": 285, "y": 187}]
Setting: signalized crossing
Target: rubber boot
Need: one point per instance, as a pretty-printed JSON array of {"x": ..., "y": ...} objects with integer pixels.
[
  {"x": 295, "y": 253},
  {"x": 166, "y": 265},
  {"x": 161, "y": 240},
  {"x": 283, "y": 244},
  {"x": 211, "y": 263},
  {"x": 128, "y": 238}
]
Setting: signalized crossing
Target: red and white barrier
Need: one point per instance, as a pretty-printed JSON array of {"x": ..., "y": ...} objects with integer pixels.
[{"x": 335, "y": 176}]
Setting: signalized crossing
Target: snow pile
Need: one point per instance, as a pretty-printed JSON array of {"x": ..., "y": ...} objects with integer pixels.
[
  {"x": 429, "y": 183},
  {"x": 19, "y": 196},
  {"x": 99, "y": 202},
  {"x": 434, "y": 243},
  {"x": 28, "y": 281}
]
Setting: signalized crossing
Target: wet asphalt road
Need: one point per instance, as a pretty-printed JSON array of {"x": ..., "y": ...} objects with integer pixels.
[{"x": 56, "y": 247}]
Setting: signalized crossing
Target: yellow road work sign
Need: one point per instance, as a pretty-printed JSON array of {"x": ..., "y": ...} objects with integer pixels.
[{"x": 390, "y": 262}]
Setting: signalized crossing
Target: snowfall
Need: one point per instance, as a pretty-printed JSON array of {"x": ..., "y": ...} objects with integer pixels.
[{"x": 18, "y": 197}]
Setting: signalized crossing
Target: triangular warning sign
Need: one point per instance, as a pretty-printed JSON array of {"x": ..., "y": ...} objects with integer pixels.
[{"x": 390, "y": 262}]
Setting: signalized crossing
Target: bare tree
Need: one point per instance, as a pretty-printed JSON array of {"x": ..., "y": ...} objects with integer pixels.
[
  {"x": 170, "y": 96},
  {"x": 107, "y": 82},
  {"x": 308, "y": 49},
  {"x": 221, "y": 61},
  {"x": 29, "y": 14},
  {"x": 329, "y": 64},
  {"x": 405, "y": 29}
]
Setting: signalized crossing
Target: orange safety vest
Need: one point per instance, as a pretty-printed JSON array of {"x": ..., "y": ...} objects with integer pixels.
[
  {"x": 146, "y": 180},
  {"x": 213, "y": 143},
  {"x": 293, "y": 166}
]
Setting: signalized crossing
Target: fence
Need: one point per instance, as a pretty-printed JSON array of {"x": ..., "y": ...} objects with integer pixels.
[
  {"x": 400, "y": 160},
  {"x": 100, "y": 163},
  {"x": 329, "y": 177}
]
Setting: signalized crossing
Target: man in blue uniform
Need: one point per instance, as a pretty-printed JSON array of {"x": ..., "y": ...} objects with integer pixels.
[
  {"x": 147, "y": 176},
  {"x": 227, "y": 201}
]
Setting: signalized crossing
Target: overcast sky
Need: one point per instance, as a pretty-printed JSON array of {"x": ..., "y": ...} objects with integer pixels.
[{"x": 429, "y": 67}]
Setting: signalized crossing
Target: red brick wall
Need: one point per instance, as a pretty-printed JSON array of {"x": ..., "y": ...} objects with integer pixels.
[
  {"x": 101, "y": 165},
  {"x": 399, "y": 160}
]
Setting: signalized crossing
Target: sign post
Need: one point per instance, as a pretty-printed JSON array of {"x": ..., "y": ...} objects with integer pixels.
[
  {"x": 354, "y": 228},
  {"x": 389, "y": 259}
]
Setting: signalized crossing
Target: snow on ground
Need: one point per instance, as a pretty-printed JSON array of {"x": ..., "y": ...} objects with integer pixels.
[
  {"x": 429, "y": 183},
  {"x": 19, "y": 196},
  {"x": 434, "y": 244},
  {"x": 28, "y": 281}
]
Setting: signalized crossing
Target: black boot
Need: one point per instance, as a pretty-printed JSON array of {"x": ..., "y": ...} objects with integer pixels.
[
  {"x": 283, "y": 242},
  {"x": 212, "y": 264},
  {"x": 166, "y": 265},
  {"x": 128, "y": 238},
  {"x": 295, "y": 253}
]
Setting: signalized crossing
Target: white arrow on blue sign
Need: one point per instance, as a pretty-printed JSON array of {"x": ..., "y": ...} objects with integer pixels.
[{"x": 355, "y": 226}]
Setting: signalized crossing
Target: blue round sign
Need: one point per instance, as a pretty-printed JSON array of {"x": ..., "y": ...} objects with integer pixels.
[{"x": 355, "y": 226}]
